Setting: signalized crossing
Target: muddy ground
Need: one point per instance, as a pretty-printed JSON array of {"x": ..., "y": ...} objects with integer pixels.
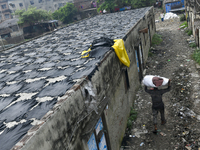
[{"x": 171, "y": 59}]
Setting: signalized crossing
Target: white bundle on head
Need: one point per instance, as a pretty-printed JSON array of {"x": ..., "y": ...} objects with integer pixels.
[{"x": 148, "y": 80}]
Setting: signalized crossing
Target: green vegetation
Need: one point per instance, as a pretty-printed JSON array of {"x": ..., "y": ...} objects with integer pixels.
[
  {"x": 189, "y": 32},
  {"x": 193, "y": 45},
  {"x": 150, "y": 54},
  {"x": 109, "y": 5},
  {"x": 196, "y": 55},
  {"x": 156, "y": 40},
  {"x": 132, "y": 117},
  {"x": 182, "y": 17},
  {"x": 184, "y": 25},
  {"x": 142, "y": 3},
  {"x": 65, "y": 13},
  {"x": 33, "y": 15}
]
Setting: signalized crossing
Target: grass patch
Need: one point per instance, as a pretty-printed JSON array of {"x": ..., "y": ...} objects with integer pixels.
[
  {"x": 182, "y": 17},
  {"x": 156, "y": 40},
  {"x": 150, "y": 54},
  {"x": 196, "y": 55},
  {"x": 184, "y": 25},
  {"x": 131, "y": 118},
  {"x": 189, "y": 32},
  {"x": 193, "y": 45}
]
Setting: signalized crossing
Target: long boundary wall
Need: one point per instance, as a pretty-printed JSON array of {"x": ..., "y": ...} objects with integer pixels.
[{"x": 108, "y": 95}]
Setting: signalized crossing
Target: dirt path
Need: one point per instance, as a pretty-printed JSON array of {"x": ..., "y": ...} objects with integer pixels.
[{"x": 171, "y": 59}]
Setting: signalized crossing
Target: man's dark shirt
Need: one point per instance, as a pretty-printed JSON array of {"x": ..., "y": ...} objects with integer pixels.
[{"x": 156, "y": 96}]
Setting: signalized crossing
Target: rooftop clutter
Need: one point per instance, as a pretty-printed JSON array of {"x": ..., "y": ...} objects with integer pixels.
[{"x": 100, "y": 46}]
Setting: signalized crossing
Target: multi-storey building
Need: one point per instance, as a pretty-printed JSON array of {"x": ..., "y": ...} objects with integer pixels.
[
  {"x": 17, "y": 4},
  {"x": 49, "y": 5},
  {"x": 5, "y": 12}
]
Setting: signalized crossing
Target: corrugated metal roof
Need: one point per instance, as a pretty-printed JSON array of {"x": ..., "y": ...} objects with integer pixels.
[
  {"x": 5, "y": 31},
  {"x": 170, "y": 1},
  {"x": 177, "y": 9},
  {"x": 8, "y": 23}
]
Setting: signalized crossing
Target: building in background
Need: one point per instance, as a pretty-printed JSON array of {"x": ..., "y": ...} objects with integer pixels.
[
  {"x": 8, "y": 8},
  {"x": 192, "y": 10},
  {"x": 10, "y": 32},
  {"x": 49, "y": 5},
  {"x": 17, "y": 4},
  {"x": 173, "y": 5},
  {"x": 5, "y": 12},
  {"x": 85, "y": 4}
]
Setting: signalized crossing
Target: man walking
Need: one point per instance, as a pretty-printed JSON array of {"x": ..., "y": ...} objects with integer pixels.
[
  {"x": 157, "y": 103},
  {"x": 162, "y": 16}
]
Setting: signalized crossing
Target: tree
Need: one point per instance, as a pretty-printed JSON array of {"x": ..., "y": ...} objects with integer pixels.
[
  {"x": 65, "y": 13},
  {"x": 122, "y": 3},
  {"x": 111, "y": 4},
  {"x": 33, "y": 15},
  {"x": 107, "y": 5},
  {"x": 142, "y": 3}
]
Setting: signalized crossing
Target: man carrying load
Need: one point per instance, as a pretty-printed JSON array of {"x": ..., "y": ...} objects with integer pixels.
[{"x": 157, "y": 103}]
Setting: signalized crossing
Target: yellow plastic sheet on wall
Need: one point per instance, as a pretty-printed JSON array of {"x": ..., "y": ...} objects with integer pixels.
[{"x": 121, "y": 52}]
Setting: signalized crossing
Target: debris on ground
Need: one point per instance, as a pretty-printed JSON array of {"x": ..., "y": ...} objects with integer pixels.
[
  {"x": 170, "y": 15},
  {"x": 171, "y": 59}
]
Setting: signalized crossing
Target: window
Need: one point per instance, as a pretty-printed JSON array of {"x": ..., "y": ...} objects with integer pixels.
[
  {"x": 139, "y": 60},
  {"x": 13, "y": 6},
  {"x": 60, "y": 4},
  {"x": 126, "y": 81},
  {"x": 1, "y": 18},
  {"x": 99, "y": 138},
  {"x": 20, "y": 4},
  {"x": 39, "y": 1},
  {"x": 5, "y": 36},
  {"x": 7, "y": 16},
  {"x": 3, "y": 6},
  {"x": 32, "y": 2}
]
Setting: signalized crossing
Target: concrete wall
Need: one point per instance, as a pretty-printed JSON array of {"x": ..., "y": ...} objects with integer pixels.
[
  {"x": 17, "y": 4},
  {"x": 107, "y": 94},
  {"x": 51, "y": 5},
  {"x": 88, "y": 13},
  {"x": 83, "y": 4},
  {"x": 4, "y": 11},
  {"x": 15, "y": 39},
  {"x": 193, "y": 22}
]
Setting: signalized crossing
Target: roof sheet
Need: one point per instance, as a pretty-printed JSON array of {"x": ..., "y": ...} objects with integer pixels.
[
  {"x": 177, "y": 9},
  {"x": 8, "y": 23},
  {"x": 171, "y": 1},
  {"x": 35, "y": 74}
]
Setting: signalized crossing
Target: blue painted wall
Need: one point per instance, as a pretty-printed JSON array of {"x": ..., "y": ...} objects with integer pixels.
[{"x": 169, "y": 5}]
